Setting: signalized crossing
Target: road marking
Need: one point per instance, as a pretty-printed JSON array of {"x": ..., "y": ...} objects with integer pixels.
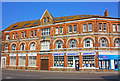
[{"x": 8, "y": 77}]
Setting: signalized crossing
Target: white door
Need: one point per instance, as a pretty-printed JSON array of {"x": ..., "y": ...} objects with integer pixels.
[{"x": 3, "y": 62}]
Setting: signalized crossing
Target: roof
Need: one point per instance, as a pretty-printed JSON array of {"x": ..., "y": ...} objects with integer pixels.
[{"x": 27, "y": 24}]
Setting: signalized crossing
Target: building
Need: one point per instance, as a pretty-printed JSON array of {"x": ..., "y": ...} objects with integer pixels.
[{"x": 77, "y": 42}]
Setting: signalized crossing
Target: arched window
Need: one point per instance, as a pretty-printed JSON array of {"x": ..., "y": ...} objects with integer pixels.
[
  {"x": 6, "y": 47},
  {"x": 73, "y": 43},
  {"x": 47, "y": 19},
  {"x": 13, "y": 47},
  {"x": 88, "y": 42},
  {"x": 22, "y": 46},
  {"x": 32, "y": 46},
  {"x": 103, "y": 42},
  {"x": 44, "y": 20},
  {"x": 117, "y": 42},
  {"x": 58, "y": 44}
]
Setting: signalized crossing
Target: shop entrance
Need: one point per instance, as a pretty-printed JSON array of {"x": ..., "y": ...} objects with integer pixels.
[
  {"x": 77, "y": 65},
  {"x": 116, "y": 65},
  {"x": 44, "y": 63}
]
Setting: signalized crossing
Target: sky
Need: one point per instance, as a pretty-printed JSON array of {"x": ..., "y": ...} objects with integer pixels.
[{"x": 23, "y": 11}]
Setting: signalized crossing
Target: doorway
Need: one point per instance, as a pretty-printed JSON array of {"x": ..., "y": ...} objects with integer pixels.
[
  {"x": 77, "y": 65},
  {"x": 44, "y": 63}
]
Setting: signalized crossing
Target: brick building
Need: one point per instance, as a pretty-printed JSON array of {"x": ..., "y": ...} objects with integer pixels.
[{"x": 63, "y": 43}]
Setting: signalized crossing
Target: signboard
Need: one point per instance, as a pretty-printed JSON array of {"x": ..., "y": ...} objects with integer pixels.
[
  {"x": 58, "y": 54},
  {"x": 12, "y": 55},
  {"x": 90, "y": 53},
  {"x": 44, "y": 57},
  {"x": 109, "y": 56},
  {"x": 44, "y": 54},
  {"x": 32, "y": 54},
  {"x": 21, "y": 54},
  {"x": 72, "y": 54}
]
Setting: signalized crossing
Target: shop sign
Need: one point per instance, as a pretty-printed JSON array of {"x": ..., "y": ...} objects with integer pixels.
[
  {"x": 104, "y": 57},
  {"x": 12, "y": 55},
  {"x": 44, "y": 57},
  {"x": 58, "y": 54},
  {"x": 21, "y": 54},
  {"x": 44, "y": 54},
  {"x": 92, "y": 53},
  {"x": 32, "y": 54},
  {"x": 72, "y": 54}
]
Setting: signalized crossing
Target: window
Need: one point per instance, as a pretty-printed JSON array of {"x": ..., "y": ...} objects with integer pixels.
[
  {"x": 13, "y": 60},
  {"x": 7, "y": 36},
  {"x": 117, "y": 42},
  {"x": 6, "y": 47},
  {"x": 13, "y": 35},
  {"x": 114, "y": 28},
  {"x": 88, "y": 43},
  {"x": 46, "y": 31},
  {"x": 73, "y": 43},
  {"x": 31, "y": 33},
  {"x": 35, "y": 32},
  {"x": 22, "y": 46},
  {"x": 32, "y": 61},
  {"x": 84, "y": 27},
  {"x": 44, "y": 20},
  {"x": 47, "y": 19},
  {"x": 61, "y": 30},
  {"x": 56, "y": 30},
  {"x": 90, "y": 26},
  {"x": 59, "y": 61},
  {"x": 21, "y": 34},
  {"x": 70, "y": 29},
  {"x": 22, "y": 60},
  {"x": 70, "y": 61},
  {"x": 25, "y": 33},
  {"x": 32, "y": 46},
  {"x": 16, "y": 35},
  {"x": 100, "y": 26},
  {"x": 75, "y": 28},
  {"x": 118, "y": 27},
  {"x": 104, "y": 26},
  {"x": 103, "y": 42},
  {"x": 104, "y": 64},
  {"x": 88, "y": 60},
  {"x": 59, "y": 44},
  {"x": 13, "y": 47},
  {"x": 45, "y": 45}
]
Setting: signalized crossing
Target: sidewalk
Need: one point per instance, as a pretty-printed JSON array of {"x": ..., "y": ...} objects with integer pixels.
[{"x": 116, "y": 72}]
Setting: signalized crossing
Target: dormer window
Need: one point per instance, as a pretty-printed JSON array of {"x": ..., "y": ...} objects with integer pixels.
[
  {"x": 44, "y": 20},
  {"x": 47, "y": 19}
]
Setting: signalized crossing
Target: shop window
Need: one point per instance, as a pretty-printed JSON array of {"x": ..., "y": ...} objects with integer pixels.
[
  {"x": 88, "y": 61},
  {"x": 45, "y": 45},
  {"x": 100, "y": 26},
  {"x": 22, "y": 46},
  {"x": 13, "y": 47},
  {"x": 117, "y": 42},
  {"x": 84, "y": 27},
  {"x": 45, "y": 31},
  {"x": 104, "y": 64},
  {"x": 70, "y": 29},
  {"x": 22, "y": 60},
  {"x": 56, "y": 30},
  {"x": 114, "y": 28},
  {"x": 32, "y": 46},
  {"x": 88, "y": 43},
  {"x": 119, "y": 64},
  {"x": 90, "y": 26},
  {"x": 61, "y": 30},
  {"x": 58, "y": 44},
  {"x": 59, "y": 61},
  {"x": 116, "y": 64},
  {"x": 32, "y": 61},
  {"x": 7, "y": 36},
  {"x": 6, "y": 47},
  {"x": 103, "y": 42},
  {"x": 73, "y": 43},
  {"x": 13, "y": 60},
  {"x": 104, "y": 27},
  {"x": 70, "y": 61},
  {"x": 75, "y": 28}
]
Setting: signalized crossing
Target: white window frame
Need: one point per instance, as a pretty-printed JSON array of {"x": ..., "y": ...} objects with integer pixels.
[
  {"x": 90, "y": 27},
  {"x": 32, "y": 60},
  {"x": 13, "y": 36},
  {"x": 73, "y": 43},
  {"x": 25, "y": 34},
  {"x": 75, "y": 28},
  {"x": 59, "y": 43},
  {"x": 21, "y": 34},
  {"x": 104, "y": 42},
  {"x": 45, "y": 32},
  {"x": 100, "y": 26},
  {"x": 118, "y": 27},
  {"x": 6, "y": 47},
  {"x": 22, "y": 47},
  {"x": 12, "y": 60},
  {"x": 22, "y": 59},
  {"x": 104, "y": 26},
  {"x": 90, "y": 44},
  {"x": 61, "y": 29},
  {"x": 117, "y": 42},
  {"x": 7, "y": 36},
  {"x": 58, "y": 61},
  {"x": 32, "y": 46},
  {"x": 47, "y": 19},
  {"x": 70, "y": 30},
  {"x": 45, "y": 45},
  {"x": 16, "y": 36},
  {"x": 31, "y": 33},
  {"x": 14, "y": 47},
  {"x": 84, "y": 27},
  {"x": 56, "y": 30},
  {"x": 114, "y": 28},
  {"x": 35, "y": 33}
]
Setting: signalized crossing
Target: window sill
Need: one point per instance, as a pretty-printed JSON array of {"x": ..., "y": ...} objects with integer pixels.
[{"x": 32, "y": 66}]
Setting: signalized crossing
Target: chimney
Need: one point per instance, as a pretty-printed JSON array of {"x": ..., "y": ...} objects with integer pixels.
[{"x": 106, "y": 13}]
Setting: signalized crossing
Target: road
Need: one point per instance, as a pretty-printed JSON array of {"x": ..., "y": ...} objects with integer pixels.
[{"x": 18, "y": 74}]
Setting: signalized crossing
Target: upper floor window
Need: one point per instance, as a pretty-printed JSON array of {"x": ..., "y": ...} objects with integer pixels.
[
  {"x": 31, "y": 33},
  {"x": 70, "y": 29},
  {"x": 73, "y": 43},
  {"x": 75, "y": 28},
  {"x": 100, "y": 26},
  {"x": 84, "y": 27},
  {"x": 6, "y": 47},
  {"x": 88, "y": 43},
  {"x": 32, "y": 46},
  {"x": 16, "y": 35},
  {"x": 46, "y": 31},
  {"x": 35, "y": 33},
  {"x": 118, "y": 27},
  {"x": 90, "y": 26},
  {"x": 25, "y": 33},
  {"x": 22, "y": 46},
  {"x": 59, "y": 44},
  {"x": 117, "y": 42},
  {"x": 47, "y": 19},
  {"x": 13, "y": 47},
  {"x": 103, "y": 42},
  {"x": 7, "y": 36},
  {"x": 22, "y": 34},
  {"x": 13, "y": 35},
  {"x": 56, "y": 30},
  {"x": 44, "y": 20},
  {"x": 114, "y": 28},
  {"x": 45, "y": 45},
  {"x": 61, "y": 30},
  {"x": 104, "y": 27}
]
